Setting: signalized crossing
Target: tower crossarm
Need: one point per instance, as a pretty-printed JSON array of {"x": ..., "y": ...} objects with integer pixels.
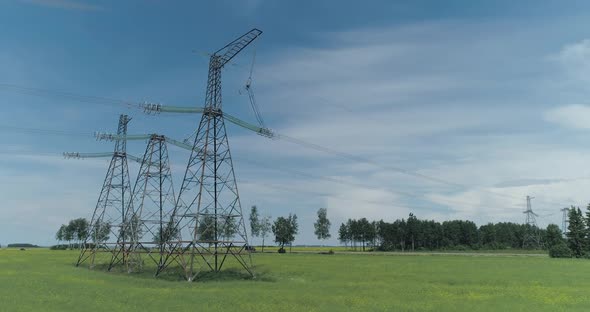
[
  {"x": 158, "y": 108},
  {"x": 266, "y": 132},
  {"x": 178, "y": 143},
  {"x": 114, "y": 137},
  {"x": 98, "y": 155},
  {"x": 225, "y": 54},
  {"x": 87, "y": 155}
]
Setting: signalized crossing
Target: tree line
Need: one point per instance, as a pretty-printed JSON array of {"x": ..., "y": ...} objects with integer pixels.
[
  {"x": 411, "y": 234},
  {"x": 74, "y": 233},
  {"x": 415, "y": 234},
  {"x": 78, "y": 230},
  {"x": 286, "y": 228}
]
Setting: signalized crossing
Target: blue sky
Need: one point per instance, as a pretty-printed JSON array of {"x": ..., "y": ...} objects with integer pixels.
[{"x": 492, "y": 96}]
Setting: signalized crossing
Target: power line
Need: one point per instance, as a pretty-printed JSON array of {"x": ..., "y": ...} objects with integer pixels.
[
  {"x": 447, "y": 202},
  {"x": 318, "y": 194},
  {"x": 39, "y": 131},
  {"x": 67, "y": 95},
  {"x": 361, "y": 159},
  {"x": 292, "y": 171},
  {"x": 344, "y": 182},
  {"x": 137, "y": 105}
]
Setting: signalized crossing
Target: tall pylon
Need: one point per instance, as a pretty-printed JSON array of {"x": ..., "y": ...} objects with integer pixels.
[
  {"x": 148, "y": 222},
  {"x": 532, "y": 236},
  {"x": 208, "y": 209},
  {"x": 564, "y": 220},
  {"x": 113, "y": 201}
]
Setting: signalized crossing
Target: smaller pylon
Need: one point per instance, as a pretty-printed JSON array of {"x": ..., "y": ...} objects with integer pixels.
[
  {"x": 113, "y": 201},
  {"x": 532, "y": 236},
  {"x": 564, "y": 220},
  {"x": 148, "y": 222}
]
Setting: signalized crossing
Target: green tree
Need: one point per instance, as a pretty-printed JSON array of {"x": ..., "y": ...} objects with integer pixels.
[
  {"x": 362, "y": 231},
  {"x": 561, "y": 250},
  {"x": 576, "y": 232},
  {"x": 132, "y": 230},
  {"x": 401, "y": 231},
  {"x": 294, "y": 228},
  {"x": 553, "y": 236},
  {"x": 79, "y": 228},
  {"x": 412, "y": 226},
  {"x": 206, "y": 228},
  {"x": 355, "y": 232},
  {"x": 373, "y": 237},
  {"x": 344, "y": 234},
  {"x": 322, "y": 225},
  {"x": 587, "y": 221},
  {"x": 487, "y": 236},
  {"x": 285, "y": 230},
  {"x": 100, "y": 232},
  {"x": 168, "y": 232},
  {"x": 60, "y": 234},
  {"x": 254, "y": 222},
  {"x": 229, "y": 227},
  {"x": 69, "y": 234},
  {"x": 265, "y": 228}
]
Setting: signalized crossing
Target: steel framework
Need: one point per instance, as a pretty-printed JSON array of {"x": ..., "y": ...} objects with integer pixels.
[
  {"x": 532, "y": 236},
  {"x": 564, "y": 220},
  {"x": 148, "y": 221},
  {"x": 208, "y": 209},
  {"x": 113, "y": 202}
]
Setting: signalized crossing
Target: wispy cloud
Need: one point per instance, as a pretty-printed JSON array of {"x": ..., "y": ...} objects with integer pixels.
[
  {"x": 575, "y": 58},
  {"x": 575, "y": 116},
  {"x": 437, "y": 99},
  {"x": 527, "y": 182},
  {"x": 65, "y": 4}
]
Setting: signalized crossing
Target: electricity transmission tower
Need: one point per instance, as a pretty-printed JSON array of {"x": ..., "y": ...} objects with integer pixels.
[
  {"x": 208, "y": 210},
  {"x": 112, "y": 204},
  {"x": 564, "y": 220},
  {"x": 146, "y": 223},
  {"x": 148, "y": 220},
  {"x": 532, "y": 236}
]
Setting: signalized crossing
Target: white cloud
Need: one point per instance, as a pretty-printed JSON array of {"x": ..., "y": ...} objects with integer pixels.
[
  {"x": 573, "y": 116},
  {"x": 576, "y": 59}
]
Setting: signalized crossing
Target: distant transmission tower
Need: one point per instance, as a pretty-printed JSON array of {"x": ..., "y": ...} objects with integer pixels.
[
  {"x": 532, "y": 236},
  {"x": 148, "y": 222},
  {"x": 564, "y": 220},
  {"x": 113, "y": 201},
  {"x": 208, "y": 210}
]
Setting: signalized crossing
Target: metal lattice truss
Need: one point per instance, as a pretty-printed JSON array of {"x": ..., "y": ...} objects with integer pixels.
[
  {"x": 532, "y": 236},
  {"x": 113, "y": 202},
  {"x": 208, "y": 210},
  {"x": 148, "y": 222}
]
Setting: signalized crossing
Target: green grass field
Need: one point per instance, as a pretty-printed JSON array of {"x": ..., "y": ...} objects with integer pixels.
[{"x": 44, "y": 280}]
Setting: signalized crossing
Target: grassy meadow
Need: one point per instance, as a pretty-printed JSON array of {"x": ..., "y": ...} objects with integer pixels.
[{"x": 44, "y": 280}]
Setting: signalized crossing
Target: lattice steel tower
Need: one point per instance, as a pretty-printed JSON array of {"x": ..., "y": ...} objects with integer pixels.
[
  {"x": 148, "y": 223},
  {"x": 208, "y": 210},
  {"x": 109, "y": 214},
  {"x": 564, "y": 220},
  {"x": 532, "y": 236}
]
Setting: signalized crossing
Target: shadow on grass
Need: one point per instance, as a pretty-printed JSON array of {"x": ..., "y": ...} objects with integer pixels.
[{"x": 176, "y": 274}]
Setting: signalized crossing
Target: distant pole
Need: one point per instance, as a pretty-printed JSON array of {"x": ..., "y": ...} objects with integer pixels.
[
  {"x": 564, "y": 220},
  {"x": 532, "y": 236}
]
